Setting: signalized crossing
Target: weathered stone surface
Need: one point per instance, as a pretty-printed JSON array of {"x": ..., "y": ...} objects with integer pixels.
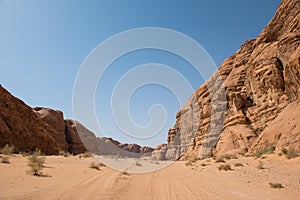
[
  {"x": 234, "y": 111},
  {"x": 54, "y": 119},
  {"x": 75, "y": 144},
  {"x": 20, "y": 126}
]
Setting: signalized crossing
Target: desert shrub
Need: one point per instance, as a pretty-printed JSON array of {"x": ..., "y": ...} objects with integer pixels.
[
  {"x": 191, "y": 161},
  {"x": 229, "y": 156},
  {"x": 203, "y": 164},
  {"x": 260, "y": 165},
  {"x": 36, "y": 163},
  {"x": 85, "y": 155},
  {"x": 267, "y": 150},
  {"x": 276, "y": 185},
  {"x": 124, "y": 172},
  {"x": 64, "y": 153},
  {"x": 220, "y": 159},
  {"x": 7, "y": 150},
  {"x": 238, "y": 164},
  {"x": 5, "y": 160},
  {"x": 96, "y": 166},
  {"x": 279, "y": 154},
  {"x": 290, "y": 153},
  {"x": 188, "y": 163},
  {"x": 225, "y": 167}
]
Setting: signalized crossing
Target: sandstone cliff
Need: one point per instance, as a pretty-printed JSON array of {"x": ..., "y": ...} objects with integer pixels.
[
  {"x": 29, "y": 128},
  {"x": 251, "y": 101}
]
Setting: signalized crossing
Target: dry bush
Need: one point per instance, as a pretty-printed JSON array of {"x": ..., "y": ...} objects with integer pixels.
[
  {"x": 124, "y": 172},
  {"x": 64, "y": 153},
  {"x": 203, "y": 164},
  {"x": 276, "y": 185},
  {"x": 225, "y": 167},
  {"x": 229, "y": 156},
  {"x": 290, "y": 153},
  {"x": 191, "y": 161},
  {"x": 238, "y": 164},
  {"x": 5, "y": 160},
  {"x": 96, "y": 166},
  {"x": 36, "y": 163},
  {"x": 85, "y": 155},
  {"x": 7, "y": 150},
  {"x": 268, "y": 150}
]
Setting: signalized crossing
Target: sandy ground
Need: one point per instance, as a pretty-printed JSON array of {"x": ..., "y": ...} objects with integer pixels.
[{"x": 72, "y": 178}]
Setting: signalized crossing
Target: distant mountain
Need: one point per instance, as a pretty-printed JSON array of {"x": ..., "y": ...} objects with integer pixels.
[
  {"x": 46, "y": 129},
  {"x": 251, "y": 102}
]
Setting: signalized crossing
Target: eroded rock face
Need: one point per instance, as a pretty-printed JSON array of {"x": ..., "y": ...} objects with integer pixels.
[
  {"x": 20, "y": 126},
  {"x": 75, "y": 144},
  {"x": 235, "y": 110},
  {"x": 54, "y": 119}
]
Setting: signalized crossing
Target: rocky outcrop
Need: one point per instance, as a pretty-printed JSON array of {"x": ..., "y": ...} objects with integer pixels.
[
  {"x": 21, "y": 127},
  {"x": 236, "y": 110},
  {"x": 55, "y": 120},
  {"x": 46, "y": 129},
  {"x": 75, "y": 144}
]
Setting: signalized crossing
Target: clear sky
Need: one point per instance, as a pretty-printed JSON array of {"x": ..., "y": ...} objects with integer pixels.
[{"x": 43, "y": 44}]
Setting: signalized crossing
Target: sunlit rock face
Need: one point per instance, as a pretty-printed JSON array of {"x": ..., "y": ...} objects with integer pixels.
[{"x": 250, "y": 102}]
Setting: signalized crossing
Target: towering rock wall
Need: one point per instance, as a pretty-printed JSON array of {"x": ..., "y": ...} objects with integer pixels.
[{"x": 237, "y": 109}]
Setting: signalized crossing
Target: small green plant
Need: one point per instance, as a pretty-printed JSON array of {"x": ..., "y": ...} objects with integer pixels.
[
  {"x": 36, "y": 163},
  {"x": 5, "y": 160},
  {"x": 260, "y": 165},
  {"x": 268, "y": 150},
  {"x": 238, "y": 164},
  {"x": 225, "y": 167},
  {"x": 96, "y": 166},
  {"x": 7, "y": 150},
  {"x": 290, "y": 153},
  {"x": 276, "y": 185}
]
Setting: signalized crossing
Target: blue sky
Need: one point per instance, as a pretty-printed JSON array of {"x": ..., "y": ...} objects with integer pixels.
[{"x": 43, "y": 44}]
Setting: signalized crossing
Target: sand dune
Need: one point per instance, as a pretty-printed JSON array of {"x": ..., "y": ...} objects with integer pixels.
[{"x": 72, "y": 178}]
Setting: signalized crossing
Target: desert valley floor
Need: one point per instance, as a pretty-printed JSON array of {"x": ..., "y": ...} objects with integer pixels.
[{"x": 73, "y": 178}]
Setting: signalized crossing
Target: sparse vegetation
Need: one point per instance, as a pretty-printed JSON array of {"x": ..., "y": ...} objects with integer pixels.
[
  {"x": 36, "y": 163},
  {"x": 5, "y": 160},
  {"x": 268, "y": 150},
  {"x": 238, "y": 164},
  {"x": 229, "y": 156},
  {"x": 96, "y": 166},
  {"x": 260, "y": 165},
  {"x": 124, "y": 172},
  {"x": 203, "y": 164},
  {"x": 276, "y": 185},
  {"x": 290, "y": 153},
  {"x": 85, "y": 155},
  {"x": 64, "y": 153},
  {"x": 191, "y": 161},
  {"x": 225, "y": 167},
  {"x": 7, "y": 149}
]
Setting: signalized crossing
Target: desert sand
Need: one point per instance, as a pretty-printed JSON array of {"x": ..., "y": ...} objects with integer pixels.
[{"x": 72, "y": 178}]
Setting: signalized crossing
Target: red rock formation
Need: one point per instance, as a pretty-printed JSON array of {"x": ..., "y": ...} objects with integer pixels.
[
  {"x": 237, "y": 109},
  {"x": 21, "y": 127}
]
